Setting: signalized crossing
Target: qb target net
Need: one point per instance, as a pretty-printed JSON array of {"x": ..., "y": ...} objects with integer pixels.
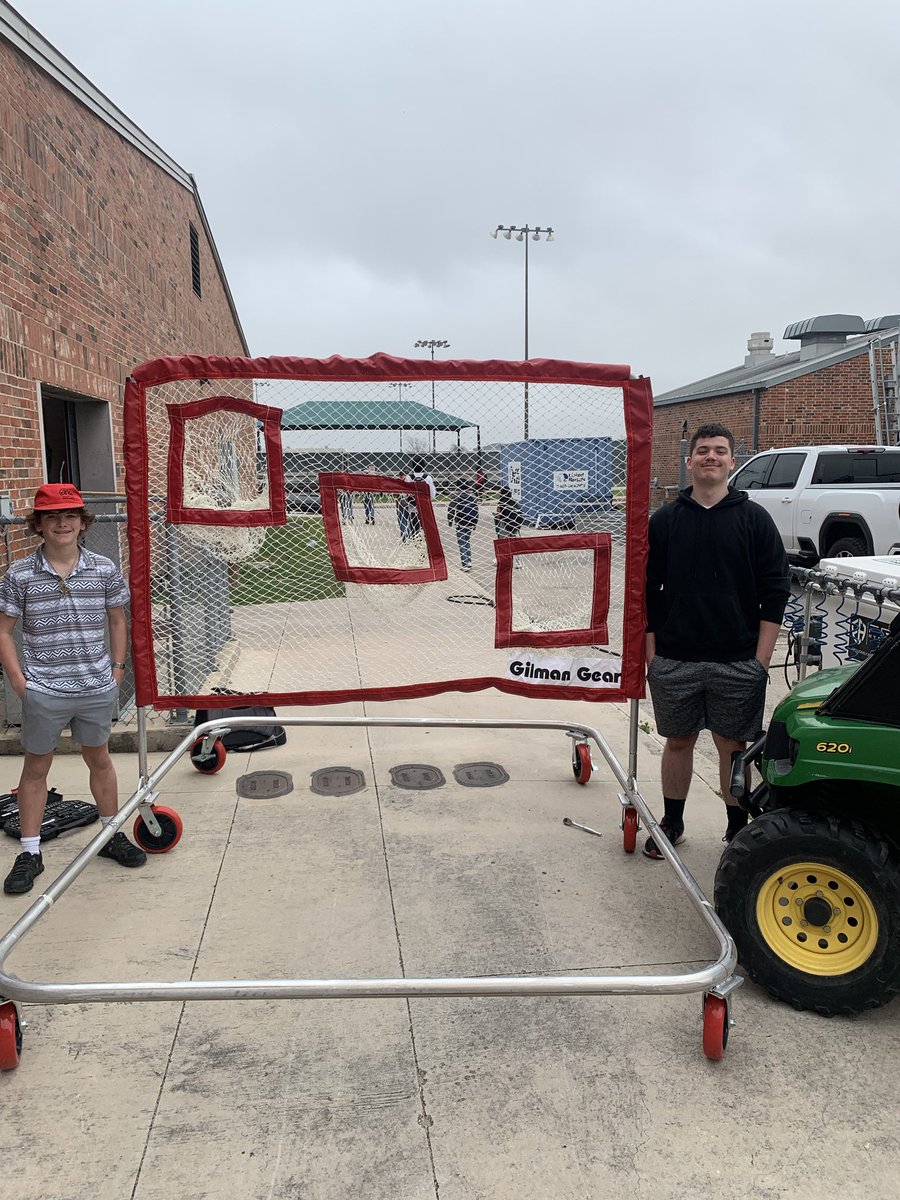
[{"x": 290, "y": 536}]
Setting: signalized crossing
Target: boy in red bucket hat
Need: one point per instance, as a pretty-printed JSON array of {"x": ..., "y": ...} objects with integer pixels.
[{"x": 65, "y": 596}]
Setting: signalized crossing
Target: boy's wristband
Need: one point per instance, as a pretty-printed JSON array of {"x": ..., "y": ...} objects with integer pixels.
[{"x": 118, "y": 666}]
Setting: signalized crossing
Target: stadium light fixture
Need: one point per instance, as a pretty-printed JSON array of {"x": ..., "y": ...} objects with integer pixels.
[
  {"x": 522, "y": 232},
  {"x": 433, "y": 344}
]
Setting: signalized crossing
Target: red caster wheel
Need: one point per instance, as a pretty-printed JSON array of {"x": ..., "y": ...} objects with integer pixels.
[
  {"x": 10, "y": 1037},
  {"x": 581, "y": 762},
  {"x": 715, "y": 1027},
  {"x": 170, "y": 831},
  {"x": 208, "y": 764},
  {"x": 629, "y": 829}
]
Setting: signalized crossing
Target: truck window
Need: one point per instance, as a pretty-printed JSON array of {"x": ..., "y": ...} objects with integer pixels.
[
  {"x": 873, "y": 468},
  {"x": 785, "y": 470},
  {"x": 753, "y": 474},
  {"x": 887, "y": 468},
  {"x": 832, "y": 469}
]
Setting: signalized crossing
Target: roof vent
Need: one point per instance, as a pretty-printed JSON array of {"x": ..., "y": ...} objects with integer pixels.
[
  {"x": 878, "y": 324},
  {"x": 759, "y": 346},
  {"x": 821, "y": 335}
]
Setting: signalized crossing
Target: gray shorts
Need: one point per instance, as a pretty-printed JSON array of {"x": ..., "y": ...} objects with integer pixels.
[
  {"x": 44, "y": 717},
  {"x": 726, "y": 698}
]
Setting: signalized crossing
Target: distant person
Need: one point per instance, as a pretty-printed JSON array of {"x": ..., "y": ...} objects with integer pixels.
[
  {"x": 405, "y": 504},
  {"x": 369, "y": 498},
  {"x": 416, "y": 474},
  {"x": 508, "y": 519},
  {"x": 463, "y": 514},
  {"x": 345, "y": 500},
  {"x": 480, "y": 479},
  {"x": 717, "y": 586},
  {"x": 65, "y": 597}
]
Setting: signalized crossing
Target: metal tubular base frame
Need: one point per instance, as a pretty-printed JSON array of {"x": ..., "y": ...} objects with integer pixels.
[{"x": 718, "y": 978}]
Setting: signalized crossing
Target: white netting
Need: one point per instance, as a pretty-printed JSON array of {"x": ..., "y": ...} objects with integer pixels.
[
  {"x": 261, "y": 609},
  {"x": 219, "y": 473},
  {"x": 381, "y": 543},
  {"x": 553, "y": 591}
]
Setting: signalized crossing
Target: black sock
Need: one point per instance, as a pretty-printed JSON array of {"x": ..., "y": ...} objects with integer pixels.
[
  {"x": 737, "y": 818},
  {"x": 674, "y": 810}
]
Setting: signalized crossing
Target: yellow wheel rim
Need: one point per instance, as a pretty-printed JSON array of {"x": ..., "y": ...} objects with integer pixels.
[{"x": 817, "y": 919}]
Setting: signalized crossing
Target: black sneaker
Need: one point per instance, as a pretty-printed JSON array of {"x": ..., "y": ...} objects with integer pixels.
[
  {"x": 730, "y": 834},
  {"x": 673, "y": 831},
  {"x": 25, "y": 870},
  {"x": 120, "y": 850}
]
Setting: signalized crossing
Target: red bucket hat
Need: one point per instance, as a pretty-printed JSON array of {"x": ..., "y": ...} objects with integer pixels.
[{"x": 53, "y": 497}]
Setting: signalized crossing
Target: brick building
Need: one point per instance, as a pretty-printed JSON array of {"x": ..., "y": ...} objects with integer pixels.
[
  {"x": 106, "y": 260},
  {"x": 839, "y": 386}
]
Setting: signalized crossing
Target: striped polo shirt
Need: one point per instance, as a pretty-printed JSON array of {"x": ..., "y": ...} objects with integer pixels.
[{"x": 64, "y": 623}]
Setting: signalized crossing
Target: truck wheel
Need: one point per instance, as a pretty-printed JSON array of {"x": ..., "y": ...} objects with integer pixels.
[
  {"x": 813, "y": 905},
  {"x": 847, "y": 548}
]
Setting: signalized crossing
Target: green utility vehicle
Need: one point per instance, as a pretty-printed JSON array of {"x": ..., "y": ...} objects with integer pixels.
[{"x": 810, "y": 890}]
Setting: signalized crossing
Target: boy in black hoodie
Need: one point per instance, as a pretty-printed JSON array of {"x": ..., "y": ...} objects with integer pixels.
[{"x": 717, "y": 586}]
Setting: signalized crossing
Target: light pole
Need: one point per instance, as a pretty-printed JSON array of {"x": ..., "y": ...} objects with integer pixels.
[
  {"x": 432, "y": 344},
  {"x": 400, "y": 386},
  {"x": 522, "y": 233}
]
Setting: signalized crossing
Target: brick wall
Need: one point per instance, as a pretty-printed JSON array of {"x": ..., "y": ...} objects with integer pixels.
[
  {"x": 95, "y": 267},
  {"x": 831, "y": 405}
]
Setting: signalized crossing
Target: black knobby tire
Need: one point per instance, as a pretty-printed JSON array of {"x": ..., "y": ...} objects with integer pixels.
[
  {"x": 849, "y": 864},
  {"x": 847, "y": 547}
]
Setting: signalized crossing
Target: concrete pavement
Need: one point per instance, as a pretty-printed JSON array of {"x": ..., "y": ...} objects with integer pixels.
[{"x": 575, "y": 1097}]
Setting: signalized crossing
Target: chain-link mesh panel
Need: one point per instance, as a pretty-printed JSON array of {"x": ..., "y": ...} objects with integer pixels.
[{"x": 314, "y": 531}]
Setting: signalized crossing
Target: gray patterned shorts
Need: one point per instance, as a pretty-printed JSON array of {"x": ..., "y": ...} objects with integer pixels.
[
  {"x": 44, "y": 717},
  {"x": 726, "y": 698}
]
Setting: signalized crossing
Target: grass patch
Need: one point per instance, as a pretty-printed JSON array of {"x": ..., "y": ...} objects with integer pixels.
[{"x": 292, "y": 564}]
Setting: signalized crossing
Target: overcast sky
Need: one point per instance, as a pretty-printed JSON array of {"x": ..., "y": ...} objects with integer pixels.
[{"x": 710, "y": 167}]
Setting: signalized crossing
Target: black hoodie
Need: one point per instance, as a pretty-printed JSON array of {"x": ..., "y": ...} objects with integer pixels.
[{"x": 712, "y": 575}]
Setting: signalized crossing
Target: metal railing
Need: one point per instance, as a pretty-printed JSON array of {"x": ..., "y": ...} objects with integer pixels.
[{"x": 835, "y": 619}]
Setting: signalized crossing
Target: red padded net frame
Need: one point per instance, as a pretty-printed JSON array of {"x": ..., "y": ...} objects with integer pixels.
[{"x": 299, "y": 529}]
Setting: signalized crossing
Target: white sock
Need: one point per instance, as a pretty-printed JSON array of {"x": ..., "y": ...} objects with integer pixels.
[
  {"x": 104, "y": 821},
  {"x": 31, "y": 845}
]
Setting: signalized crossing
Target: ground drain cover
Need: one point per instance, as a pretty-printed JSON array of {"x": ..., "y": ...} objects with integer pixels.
[
  {"x": 265, "y": 785},
  {"x": 417, "y": 776},
  {"x": 480, "y": 774},
  {"x": 337, "y": 781}
]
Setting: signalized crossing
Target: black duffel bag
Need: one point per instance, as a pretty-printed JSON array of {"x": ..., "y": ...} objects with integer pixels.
[{"x": 248, "y": 737}]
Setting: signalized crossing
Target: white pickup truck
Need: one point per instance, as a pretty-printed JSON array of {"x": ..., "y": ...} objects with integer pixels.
[{"x": 828, "y": 501}]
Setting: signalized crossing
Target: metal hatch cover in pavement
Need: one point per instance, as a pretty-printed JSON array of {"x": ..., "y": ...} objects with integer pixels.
[
  {"x": 265, "y": 785},
  {"x": 337, "y": 781},
  {"x": 480, "y": 774},
  {"x": 417, "y": 776}
]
